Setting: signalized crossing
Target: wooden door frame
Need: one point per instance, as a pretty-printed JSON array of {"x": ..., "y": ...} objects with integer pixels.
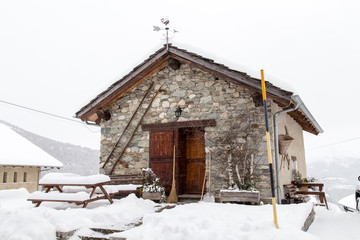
[
  {"x": 176, "y": 125},
  {"x": 178, "y": 128},
  {"x": 167, "y": 159},
  {"x": 194, "y": 161}
]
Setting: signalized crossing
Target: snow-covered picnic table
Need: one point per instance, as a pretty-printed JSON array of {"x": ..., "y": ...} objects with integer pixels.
[{"x": 76, "y": 189}]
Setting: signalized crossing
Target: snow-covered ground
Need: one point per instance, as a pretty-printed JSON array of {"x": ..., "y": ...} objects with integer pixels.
[
  {"x": 19, "y": 219},
  {"x": 348, "y": 202}
]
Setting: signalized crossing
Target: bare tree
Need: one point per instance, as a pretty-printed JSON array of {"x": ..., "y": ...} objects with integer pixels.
[{"x": 244, "y": 156}]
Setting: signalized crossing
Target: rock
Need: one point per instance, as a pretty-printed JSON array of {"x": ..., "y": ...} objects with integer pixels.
[
  {"x": 143, "y": 143},
  {"x": 180, "y": 93},
  {"x": 173, "y": 87},
  {"x": 156, "y": 103},
  {"x": 192, "y": 96},
  {"x": 165, "y": 104},
  {"x": 162, "y": 115},
  {"x": 181, "y": 103},
  {"x": 206, "y": 99}
]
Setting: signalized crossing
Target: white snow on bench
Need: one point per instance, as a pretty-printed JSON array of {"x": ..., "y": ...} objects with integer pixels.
[
  {"x": 124, "y": 187},
  {"x": 57, "y": 196},
  {"x": 69, "y": 178},
  {"x": 349, "y": 201},
  {"x": 108, "y": 188}
]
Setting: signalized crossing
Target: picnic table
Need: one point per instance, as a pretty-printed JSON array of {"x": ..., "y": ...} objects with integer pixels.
[
  {"x": 72, "y": 188},
  {"x": 304, "y": 190},
  {"x": 299, "y": 192}
]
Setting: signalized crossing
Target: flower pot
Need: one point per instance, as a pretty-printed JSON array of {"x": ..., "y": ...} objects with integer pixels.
[
  {"x": 154, "y": 196},
  {"x": 240, "y": 196},
  {"x": 284, "y": 143}
]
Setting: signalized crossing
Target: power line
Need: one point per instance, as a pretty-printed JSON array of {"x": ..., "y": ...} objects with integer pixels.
[
  {"x": 46, "y": 113},
  {"x": 336, "y": 143},
  {"x": 38, "y": 111},
  {"x": 72, "y": 120}
]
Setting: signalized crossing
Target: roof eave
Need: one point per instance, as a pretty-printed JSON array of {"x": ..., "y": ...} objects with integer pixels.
[
  {"x": 159, "y": 58},
  {"x": 137, "y": 72},
  {"x": 310, "y": 125}
]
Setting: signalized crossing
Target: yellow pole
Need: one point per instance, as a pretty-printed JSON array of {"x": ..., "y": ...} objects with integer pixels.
[{"x": 269, "y": 149}]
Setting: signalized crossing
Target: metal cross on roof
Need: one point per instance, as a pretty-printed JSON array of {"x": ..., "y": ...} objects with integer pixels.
[{"x": 165, "y": 21}]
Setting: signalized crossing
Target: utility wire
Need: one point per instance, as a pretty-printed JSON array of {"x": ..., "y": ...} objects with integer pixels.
[
  {"x": 46, "y": 113},
  {"x": 336, "y": 143},
  {"x": 34, "y": 110},
  {"x": 72, "y": 120}
]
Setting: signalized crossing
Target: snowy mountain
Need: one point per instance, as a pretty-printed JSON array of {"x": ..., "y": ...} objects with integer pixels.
[
  {"x": 76, "y": 159},
  {"x": 339, "y": 175}
]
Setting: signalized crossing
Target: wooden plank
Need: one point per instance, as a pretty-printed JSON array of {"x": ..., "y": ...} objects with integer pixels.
[
  {"x": 126, "y": 179},
  {"x": 195, "y": 160},
  {"x": 175, "y": 125},
  {"x": 105, "y": 193},
  {"x": 161, "y": 144},
  {"x": 160, "y": 156},
  {"x": 240, "y": 196}
]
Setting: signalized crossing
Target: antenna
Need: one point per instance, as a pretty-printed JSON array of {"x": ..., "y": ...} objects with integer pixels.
[{"x": 165, "y": 21}]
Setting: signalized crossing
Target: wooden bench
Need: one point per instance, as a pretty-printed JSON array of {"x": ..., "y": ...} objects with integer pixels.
[
  {"x": 89, "y": 189},
  {"x": 293, "y": 194},
  {"x": 304, "y": 190},
  {"x": 80, "y": 198},
  {"x": 132, "y": 183}
]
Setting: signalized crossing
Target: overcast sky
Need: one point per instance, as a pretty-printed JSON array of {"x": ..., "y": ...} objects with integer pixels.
[{"x": 56, "y": 56}]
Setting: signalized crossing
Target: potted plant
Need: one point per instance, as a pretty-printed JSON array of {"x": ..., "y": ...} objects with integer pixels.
[
  {"x": 152, "y": 189},
  {"x": 243, "y": 157},
  {"x": 296, "y": 177},
  {"x": 241, "y": 190},
  {"x": 298, "y": 180}
]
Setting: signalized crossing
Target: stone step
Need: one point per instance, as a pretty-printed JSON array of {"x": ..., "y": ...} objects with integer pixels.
[
  {"x": 106, "y": 230},
  {"x": 101, "y": 238},
  {"x": 189, "y": 198},
  {"x": 101, "y": 234}
]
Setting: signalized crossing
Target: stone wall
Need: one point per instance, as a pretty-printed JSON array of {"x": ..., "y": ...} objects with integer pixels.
[{"x": 201, "y": 96}]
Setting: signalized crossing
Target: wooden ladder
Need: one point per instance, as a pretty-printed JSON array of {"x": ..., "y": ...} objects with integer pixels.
[{"x": 130, "y": 129}]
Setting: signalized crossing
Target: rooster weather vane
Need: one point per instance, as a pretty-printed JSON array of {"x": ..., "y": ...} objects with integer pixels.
[{"x": 165, "y": 21}]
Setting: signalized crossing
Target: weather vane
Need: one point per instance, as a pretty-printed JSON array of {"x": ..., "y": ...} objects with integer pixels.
[{"x": 165, "y": 21}]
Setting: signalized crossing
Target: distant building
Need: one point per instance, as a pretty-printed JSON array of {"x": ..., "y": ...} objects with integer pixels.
[
  {"x": 21, "y": 161},
  {"x": 203, "y": 111}
]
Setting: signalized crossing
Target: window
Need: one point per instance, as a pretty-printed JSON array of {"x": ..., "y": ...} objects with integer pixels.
[
  {"x": 5, "y": 177},
  {"x": 15, "y": 176},
  {"x": 25, "y": 177}
]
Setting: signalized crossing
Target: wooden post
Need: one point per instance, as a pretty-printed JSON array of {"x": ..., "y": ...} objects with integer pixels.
[{"x": 269, "y": 149}]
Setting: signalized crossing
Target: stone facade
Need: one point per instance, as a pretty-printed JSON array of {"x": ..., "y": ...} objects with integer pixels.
[{"x": 201, "y": 96}]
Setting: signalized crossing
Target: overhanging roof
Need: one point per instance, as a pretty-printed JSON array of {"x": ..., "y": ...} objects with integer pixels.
[{"x": 161, "y": 58}]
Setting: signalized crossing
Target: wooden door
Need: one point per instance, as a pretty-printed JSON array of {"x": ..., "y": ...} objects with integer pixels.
[
  {"x": 195, "y": 160},
  {"x": 161, "y": 156}
]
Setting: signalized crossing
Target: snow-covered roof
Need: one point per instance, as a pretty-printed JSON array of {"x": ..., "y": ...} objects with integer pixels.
[
  {"x": 173, "y": 55},
  {"x": 16, "y": 150}
]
